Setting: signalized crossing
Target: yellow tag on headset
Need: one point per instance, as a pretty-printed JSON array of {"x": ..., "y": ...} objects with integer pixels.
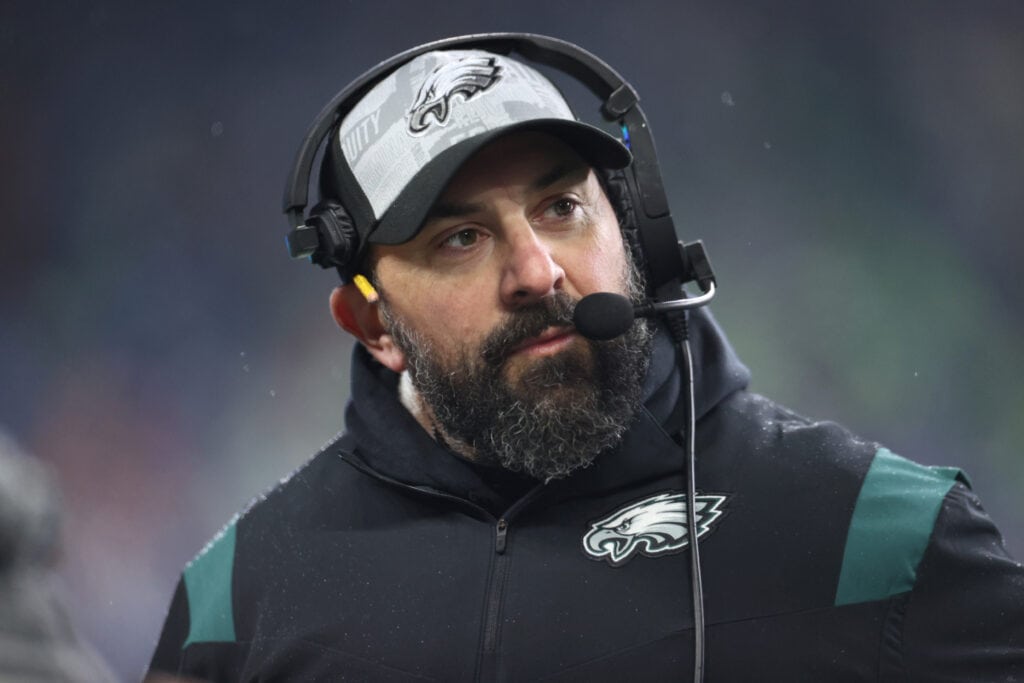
[{"x": 365, "y": 288}]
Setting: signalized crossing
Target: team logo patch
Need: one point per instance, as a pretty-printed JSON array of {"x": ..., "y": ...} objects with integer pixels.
[
  {"x": 467, "y": 77},
  {"x": 653, "y": 526}
]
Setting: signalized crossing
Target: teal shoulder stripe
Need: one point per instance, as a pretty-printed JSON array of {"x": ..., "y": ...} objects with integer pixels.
[
  {"x": 891, "y": 525},
  {"x": 208, "y": 585}
]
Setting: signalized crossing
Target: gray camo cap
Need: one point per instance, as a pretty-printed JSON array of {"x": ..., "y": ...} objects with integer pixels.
[{"x": 413, "y": 130}]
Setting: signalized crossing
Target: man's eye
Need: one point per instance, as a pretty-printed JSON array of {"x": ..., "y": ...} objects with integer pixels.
[
  {"x": 564, "y": 206},
  {"x": 462, "y": 239}
]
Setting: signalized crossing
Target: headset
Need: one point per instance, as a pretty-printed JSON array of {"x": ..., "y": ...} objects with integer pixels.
[{"x": 330, "y": 234}]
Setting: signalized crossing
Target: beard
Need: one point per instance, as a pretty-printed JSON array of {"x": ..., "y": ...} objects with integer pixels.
[{"x": 556, "y": 415}]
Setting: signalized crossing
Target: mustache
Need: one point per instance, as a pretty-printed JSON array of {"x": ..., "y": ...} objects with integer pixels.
[{"x": 524, "y": 323}]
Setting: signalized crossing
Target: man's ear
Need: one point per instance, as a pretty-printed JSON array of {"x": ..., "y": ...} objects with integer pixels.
[{"x": 361, "y": 319}]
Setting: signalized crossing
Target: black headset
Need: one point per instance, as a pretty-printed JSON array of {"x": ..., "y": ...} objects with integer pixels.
[{"x": 330, "y": 235}]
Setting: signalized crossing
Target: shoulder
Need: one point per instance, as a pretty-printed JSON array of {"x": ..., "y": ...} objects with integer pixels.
[
  {"x": 302, "y": 495},
  {"x": 896, "y": 511},
  {"x": 880, "y": 513},
  {"x": 777, "y": 444},
  {"x": 299, "y": 500}
]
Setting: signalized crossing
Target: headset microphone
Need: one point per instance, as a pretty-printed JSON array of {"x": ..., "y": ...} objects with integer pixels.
[{"x": 604, "y": 315}]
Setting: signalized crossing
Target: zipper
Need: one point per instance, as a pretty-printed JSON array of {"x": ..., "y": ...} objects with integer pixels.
[
  {"x": 487, "y": 661},
  {"x": 487, "y": 669},
  {"x": 487, "y": 664},
  {"x": 501, "y": 533}
]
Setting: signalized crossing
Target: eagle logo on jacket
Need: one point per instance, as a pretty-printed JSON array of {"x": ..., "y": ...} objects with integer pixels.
[
  {"x": 653, "y": 526},
  {"x": 467, "y": 77}
]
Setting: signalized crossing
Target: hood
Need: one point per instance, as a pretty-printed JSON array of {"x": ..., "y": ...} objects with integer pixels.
[{"x": 389, "y": 440}]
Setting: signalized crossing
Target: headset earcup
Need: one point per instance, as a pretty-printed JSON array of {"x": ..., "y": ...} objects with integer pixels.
[
  {"x": 617, "y": 189},
  {"x": 339, "y": 241}
]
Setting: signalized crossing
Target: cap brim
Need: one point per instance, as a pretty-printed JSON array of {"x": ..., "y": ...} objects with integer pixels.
[{"x": 406, "y": 215}]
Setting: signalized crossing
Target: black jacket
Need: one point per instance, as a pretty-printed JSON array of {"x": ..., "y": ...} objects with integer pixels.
[{"x": 824, "y": 557}]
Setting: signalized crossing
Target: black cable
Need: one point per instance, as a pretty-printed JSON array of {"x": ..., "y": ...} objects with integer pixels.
[
  {"x": 696, "y": 583},
  {"x": 677, "y": 323}
]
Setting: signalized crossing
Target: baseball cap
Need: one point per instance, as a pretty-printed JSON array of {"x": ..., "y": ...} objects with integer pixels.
[{"x": 399, "y": 146}]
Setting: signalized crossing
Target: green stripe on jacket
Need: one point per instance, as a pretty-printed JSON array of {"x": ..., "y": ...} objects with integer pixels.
[
  {"x": 892, "y": 523},
  {"x": 208, "y": 585}
]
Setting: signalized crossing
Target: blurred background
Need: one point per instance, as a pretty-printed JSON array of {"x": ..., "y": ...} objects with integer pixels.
[{"x": 855, "y": 169}]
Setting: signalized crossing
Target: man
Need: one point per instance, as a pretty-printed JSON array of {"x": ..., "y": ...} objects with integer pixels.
[{"x": 507, "y": 501}]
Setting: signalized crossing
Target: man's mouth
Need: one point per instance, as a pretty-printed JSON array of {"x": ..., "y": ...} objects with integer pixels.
[{"x": 547, "y": 343}]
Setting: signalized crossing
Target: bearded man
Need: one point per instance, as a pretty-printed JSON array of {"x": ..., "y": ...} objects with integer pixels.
[{"x": 509, "y": 501}]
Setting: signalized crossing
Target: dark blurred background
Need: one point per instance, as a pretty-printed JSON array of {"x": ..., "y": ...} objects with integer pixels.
[{"x": 855, "y": 169}]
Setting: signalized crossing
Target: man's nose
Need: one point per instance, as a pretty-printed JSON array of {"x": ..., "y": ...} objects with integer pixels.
[{"x": 530, "y": 270}]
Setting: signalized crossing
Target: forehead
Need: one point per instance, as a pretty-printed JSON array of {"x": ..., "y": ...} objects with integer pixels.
[{"x": 514, "y": 160}]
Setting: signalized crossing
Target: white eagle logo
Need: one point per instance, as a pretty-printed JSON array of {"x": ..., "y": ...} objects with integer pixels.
[
  {"x": 468, "y": 77},
  {"x": 653, "y": 526}
]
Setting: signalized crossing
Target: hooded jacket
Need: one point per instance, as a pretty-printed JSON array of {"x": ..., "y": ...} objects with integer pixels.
[{"x": 388, "y": 558}]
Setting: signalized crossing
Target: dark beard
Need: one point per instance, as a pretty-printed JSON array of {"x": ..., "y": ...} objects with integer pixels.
[{"x": 556, "y": 416}]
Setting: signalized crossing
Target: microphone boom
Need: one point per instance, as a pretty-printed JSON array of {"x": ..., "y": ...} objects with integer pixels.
[{"x": 604, "y": 315}]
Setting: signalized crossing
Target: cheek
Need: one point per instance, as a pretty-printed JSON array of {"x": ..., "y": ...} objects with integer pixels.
[
  {"x": 601, "y": 266},
  {"x": 449, "y": 314},
  {"x": 454, "y": 316}
]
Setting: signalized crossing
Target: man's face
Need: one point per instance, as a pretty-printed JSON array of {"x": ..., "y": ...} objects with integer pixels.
[{"x": 480, "y": 303}]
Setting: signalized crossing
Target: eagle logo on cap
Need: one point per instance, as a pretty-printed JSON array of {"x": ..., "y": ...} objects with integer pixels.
[
  {"x": 468, "y": 77},
  {"x": 653, "y": 526}
]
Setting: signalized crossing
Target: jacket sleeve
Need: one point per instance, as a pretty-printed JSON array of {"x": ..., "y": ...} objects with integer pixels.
[
  {"x": 167, "y": 659},
  {"x": 197, "y": 642},
  {"x": 964, "y": 619}
]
